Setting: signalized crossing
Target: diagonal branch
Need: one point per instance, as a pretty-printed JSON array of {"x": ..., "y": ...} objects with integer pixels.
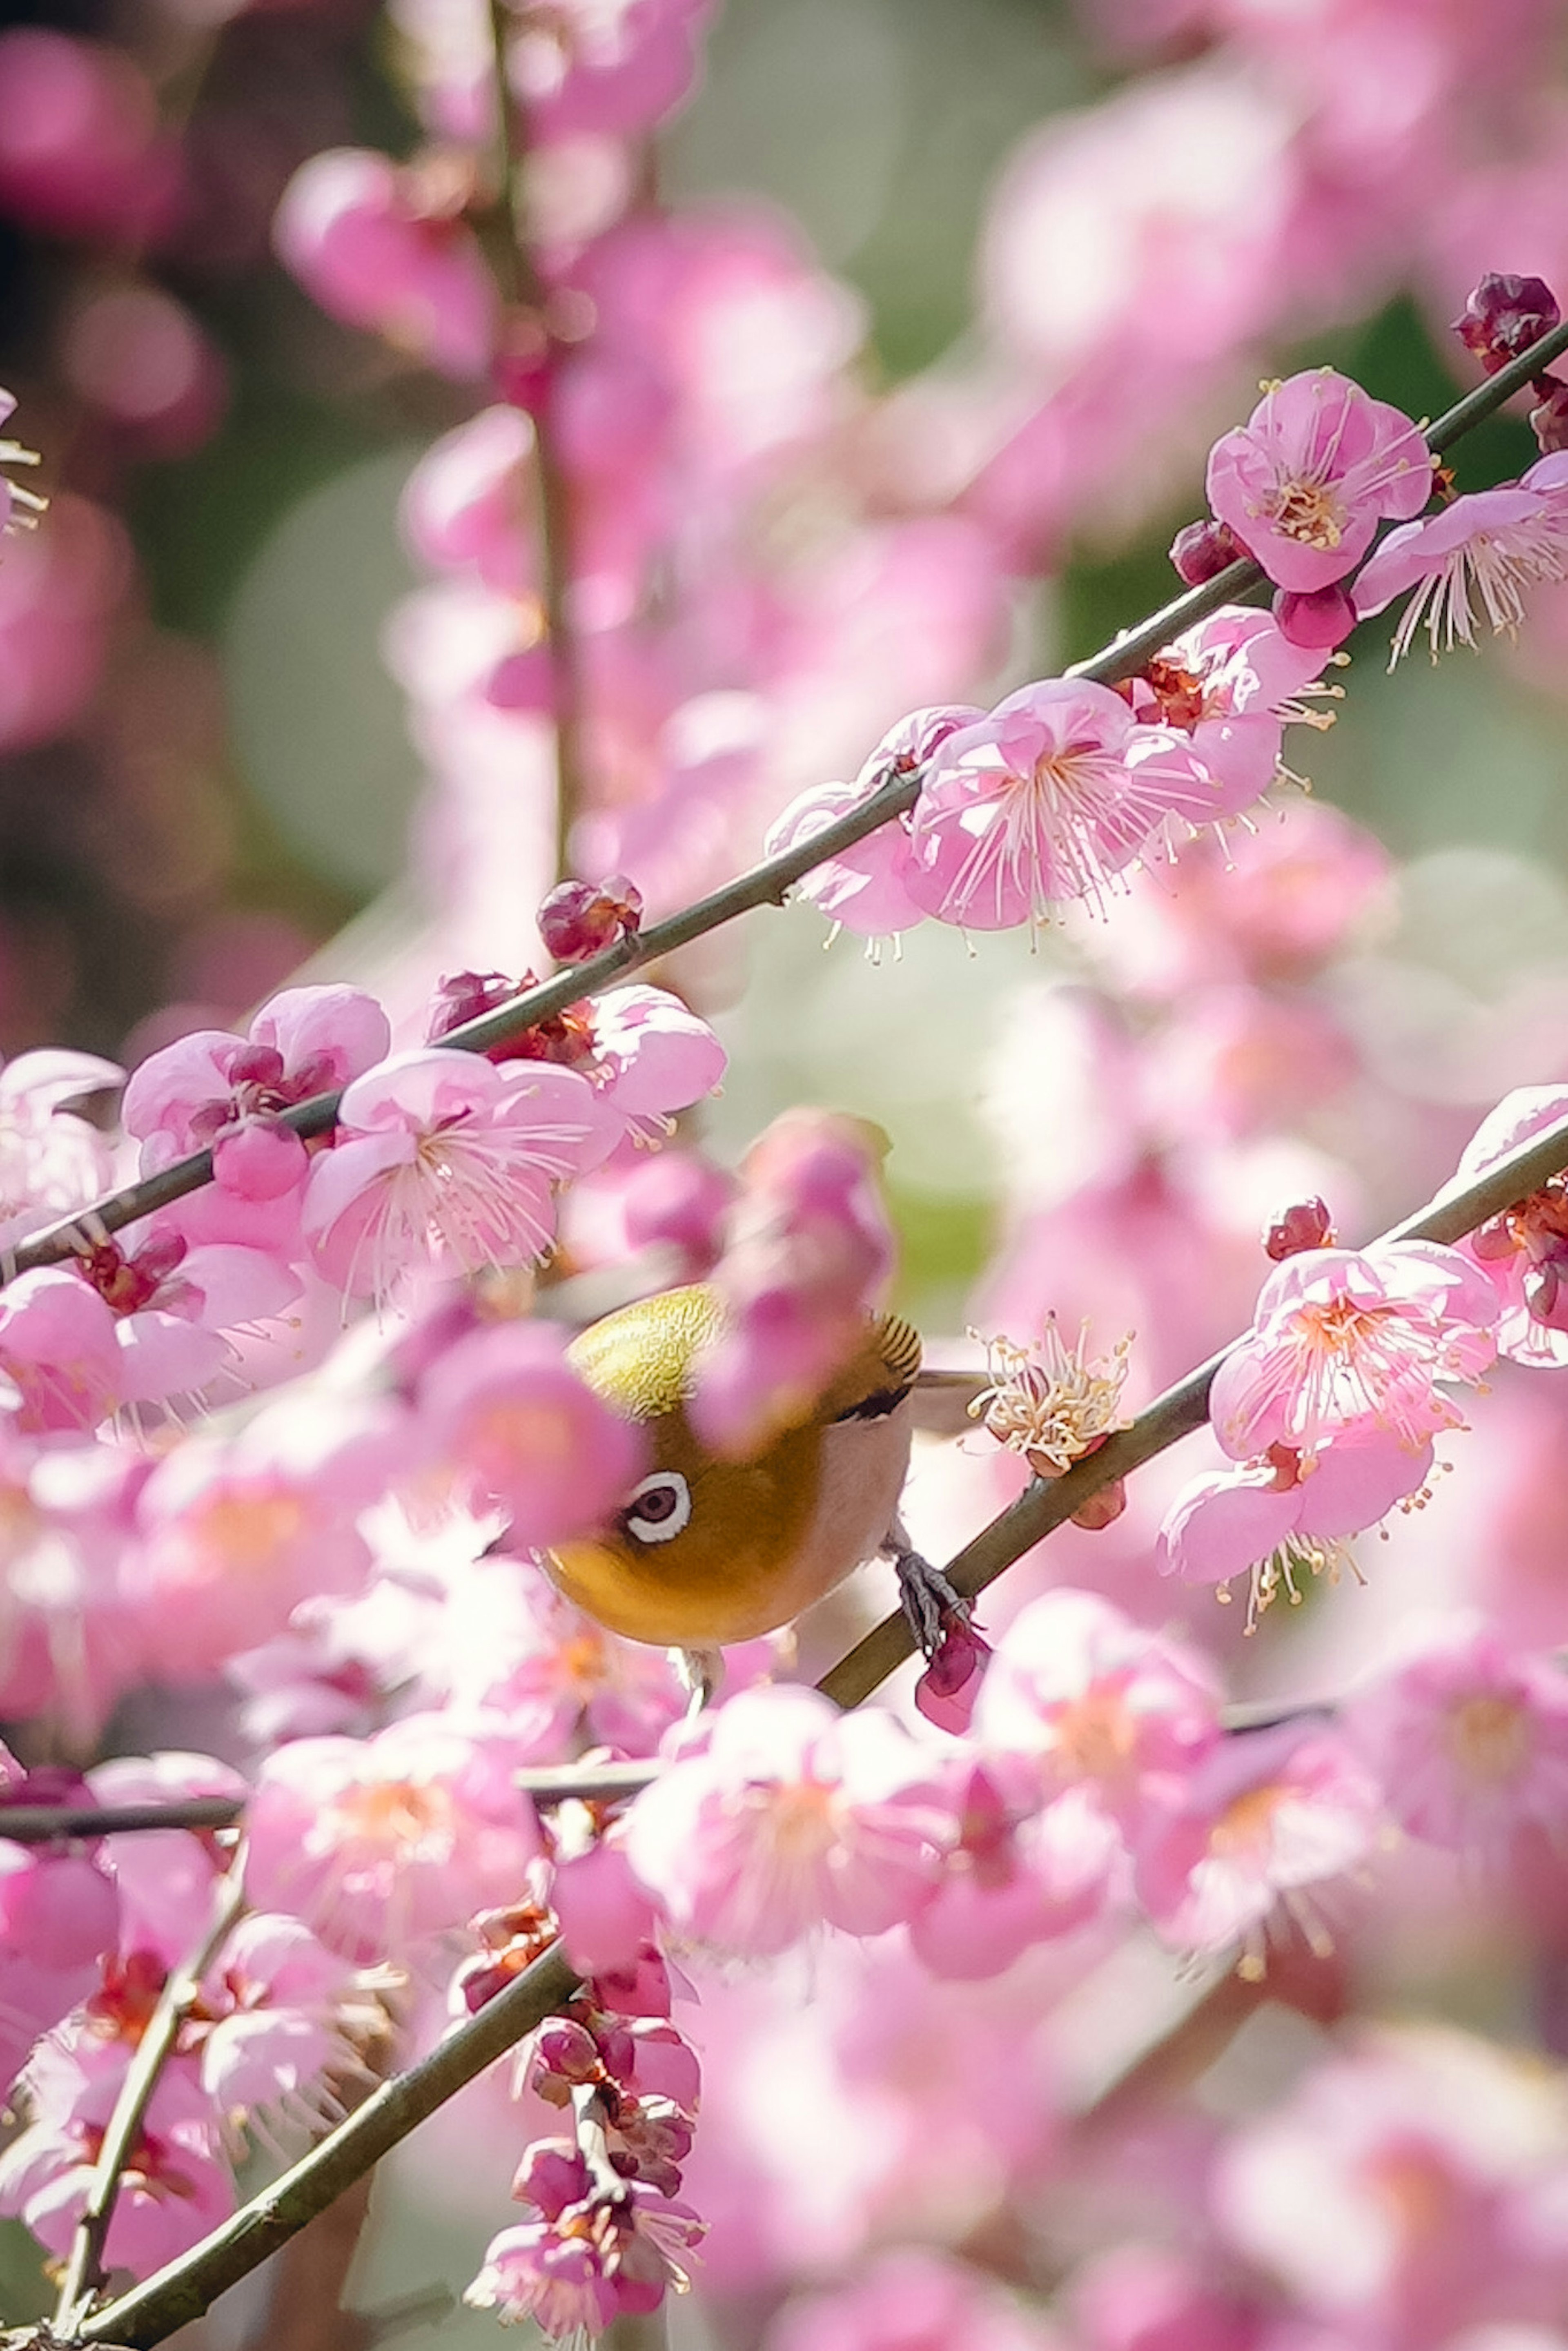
[
  {"x": 764, "y": 884},
  {"x": 84, "y": 2271}
]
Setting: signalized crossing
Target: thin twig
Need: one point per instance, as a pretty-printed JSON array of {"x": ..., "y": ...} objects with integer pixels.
[
  {"x": 766, "y": 883},
  {"x": 42, "y": 1824},
  {"x": 186, "y": 2287},
  {"x": 84, "y": 2269}
]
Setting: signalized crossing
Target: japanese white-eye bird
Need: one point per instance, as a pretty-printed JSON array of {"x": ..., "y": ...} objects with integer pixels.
[{"x": 708, "y": 1551}]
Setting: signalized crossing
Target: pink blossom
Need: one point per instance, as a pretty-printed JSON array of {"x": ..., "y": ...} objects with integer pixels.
[
  {"x": 1046, "y": 801},
  {"x": 1470, "y": 1738},
  {"x": 652, "y": 1057},
  {"x": 578, "y": 66},
  {"x": 445, "y": 1162},
  {"x": 1266, "y": 1815},
  {"x": 514, "y": 1646},
  {"x": 359, "y": 235},
  {"x": 863, "y": 887},
  {"x": 524, "y": 1431},
  {"x": 82, "y": 153},
  {"x": 1401, "y": 2191},
  {"x": 1488, "y": 549},
  {"x": 378, "y": 1842},
  {"x": 587, "y": 2258},
  {"x": 780, "y": 1815},
  {"x": 175, "y": 2186},
  {"x": 806, "y": 1260},
  {"x": 49, "y": 1160},
  {"x": 1345, "y": 1343},
  {"x": 214, "y": 1091},
  {"x": 276, "y": 1994},
  {"x": 606, "y": 1917},
  {"x": 1230, "y": 684},
  {"x": 60, "y": 1905},
  {"x": 1305, "y": 482},
  {"x": 166, "y": 1877},
  {"x": 59, "y": 1351},
  {"x": 73, "y": 1642},
  {"x": 1524, "y": 1251},
  {"x": 1015, "y": 1876},
  {"x": 1279, "y": 1517},
  {"x": 1077, "y": 1695},
  {"x": 172, "y": 1304}
]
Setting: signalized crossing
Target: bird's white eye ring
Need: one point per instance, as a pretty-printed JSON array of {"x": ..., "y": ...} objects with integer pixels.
[{"x": 659, "y": 1508}]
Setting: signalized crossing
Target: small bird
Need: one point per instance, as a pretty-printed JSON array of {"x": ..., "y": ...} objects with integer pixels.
[{"x": 704, "y": 1551}]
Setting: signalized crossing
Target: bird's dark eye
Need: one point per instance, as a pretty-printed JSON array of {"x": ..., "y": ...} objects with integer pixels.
[{"x": 658, "y": 1509}]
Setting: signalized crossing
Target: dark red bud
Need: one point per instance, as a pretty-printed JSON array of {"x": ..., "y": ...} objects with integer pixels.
[
  {"x": 464, "y": 997},
  {"x": 1319, "y": 619},
  {"x": 1204, "y": 550},
  {"x": 580, "y": 918},
  {"x": 255, "y": 1065},
  {"x": 1305, "y": 1225},
  {"x": 1504, "y": 315},
  {"x": 1495, "y": 1239},
  {"x": 1103, "y": 1508}
]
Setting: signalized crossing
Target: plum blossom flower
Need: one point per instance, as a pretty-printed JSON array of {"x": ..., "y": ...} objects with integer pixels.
[
  {"x": 1485, "y": 550},
  {"x": 1305, "y": 482},
  {"x": 1014, "y": 1877},
  {"x": 909, "y": 2298},
  {"x": 50, "y": 1162},
  {"x": 172, "y": 1304},
  {"x": 60, "y": 1353},
  {"x": 522, "y": 1429},
  {"x": 19, "y": 506},
  {"x": 1345, "y": 1342},
  {"x": 1279, "y": 1517},
  {"x": 1231, "y": 684},
  {"x": 378, "y": 1843},
  {"x": 174, "y": 2186},
  {"x": 1051, "y": 1402},
  {"x": 589, "y": 2255},
  {"x": 1266, "y": 1815},
  {"x": 444, "y": 1163},
  {"x": 274, "y": 1996},
  {"x": 211, "y": 1089},
  {"x": 1525, "y": 1249},
  {"x": 1468, "y": 1738},
  {"x": 1077, "y": 1695},
  {"x": 779, "y": 1815},
  {"x": 864, "y": 887},
  {"x": 1046, "y": 801}
]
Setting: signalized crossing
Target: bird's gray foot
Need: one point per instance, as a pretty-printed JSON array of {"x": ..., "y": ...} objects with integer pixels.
[{"x": 932, "y": 1606}]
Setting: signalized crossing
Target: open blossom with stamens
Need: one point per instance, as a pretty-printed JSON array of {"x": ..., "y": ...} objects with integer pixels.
[
  {"x": 778, "y": 1814},
  {"x": 1305, "y": 482},
  {"x": 1266, "y": 1817},
  {"x": 1484, "y": 550},
  {"x": 1345, "y": 1342},
  {"x": 1051, "y": 1402},
  {"x": 1524, "y": 1251},
  {"x": 377, "y": 1842},
  {"x": 1278, "y": 1519},
  {"x": 1046, "y": 801},
  {"x": 446, "y": 1164},
  {"x": 1230, "y": 684},
  {"x": 1079, "y": 1696}
]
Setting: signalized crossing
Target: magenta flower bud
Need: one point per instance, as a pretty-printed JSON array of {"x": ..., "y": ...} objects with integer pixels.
[
  {"x": 947, "y": 1690},
  {"x": 462, "y": 996},
  {"x": 1504, "y": 315},
  {"x": 1319, "y": 619},
  {"x": 1204, "y": 550},
  {"x": 1305, "y": 1225},
  {"x": 579, "y": 918}
]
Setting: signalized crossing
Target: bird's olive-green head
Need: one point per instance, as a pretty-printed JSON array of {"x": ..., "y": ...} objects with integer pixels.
[{"x": 705, "y": 1551}]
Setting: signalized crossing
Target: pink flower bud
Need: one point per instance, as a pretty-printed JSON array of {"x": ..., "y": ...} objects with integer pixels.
[
  {"x": 579, "y": 918},
  {"x": 1318, "y": 618}
]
